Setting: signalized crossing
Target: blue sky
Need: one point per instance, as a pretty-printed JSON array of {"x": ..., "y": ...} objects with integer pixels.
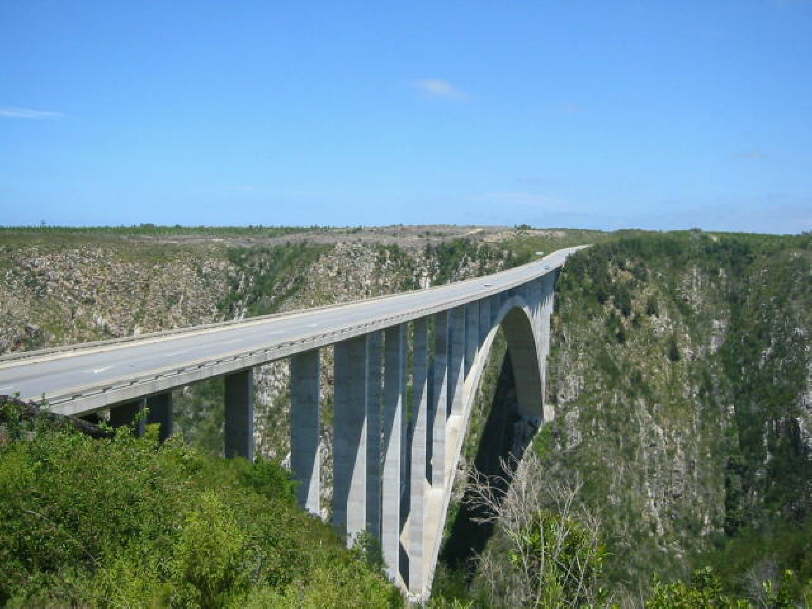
[{"x": 580, "y": 114}]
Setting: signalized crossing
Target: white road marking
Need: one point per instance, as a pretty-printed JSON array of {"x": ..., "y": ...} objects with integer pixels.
[{"x": 97, "y": 370}]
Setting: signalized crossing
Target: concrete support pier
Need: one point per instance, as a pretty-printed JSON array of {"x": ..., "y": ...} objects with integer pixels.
[
  {"x": 239, "y": 419},
  {"x": 456, "y": 360},
  {"x": 394, "y": 395},
  {"x": 125, "y": 414},
  {"x": 494, "y": 304},
  {"x": 546, "y": 310},
  {"x": 420, "y": 359},
  {"x": 373, "y": 402},
  {"x": 160, "y": 411},
  {"x": 439, "y": 406},
  {"x": 471, "y": 334},
  {"x": 484, "y": 319},
  {"x": 350, "y": 425},
  {"x": 305, "y": 428}
]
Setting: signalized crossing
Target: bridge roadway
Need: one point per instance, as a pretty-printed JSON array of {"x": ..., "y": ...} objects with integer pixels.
[{"x": 84, "y": 378}]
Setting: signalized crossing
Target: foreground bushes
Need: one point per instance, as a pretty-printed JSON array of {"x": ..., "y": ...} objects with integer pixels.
[{"x": 124, "y": 522}]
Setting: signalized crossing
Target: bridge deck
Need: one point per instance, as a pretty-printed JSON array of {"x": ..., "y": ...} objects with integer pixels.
[{"x": 91, "y": 377}]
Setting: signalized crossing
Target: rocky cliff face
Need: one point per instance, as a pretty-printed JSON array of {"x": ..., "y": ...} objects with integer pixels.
[
  {"x": 51, "y": 296},
  {"x": 680, "y": 376}
]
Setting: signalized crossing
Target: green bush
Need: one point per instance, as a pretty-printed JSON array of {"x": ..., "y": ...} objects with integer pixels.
[
  {"x": 704, "y": 591},
  {"x": 126, "y": 522}
]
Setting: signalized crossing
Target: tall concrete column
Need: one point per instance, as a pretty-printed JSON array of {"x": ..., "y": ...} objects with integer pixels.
[
  {"x": 394, "y": 395},
  {"x": 373, "y": 401},
  {"x": 456, "y": 360},
  {"x": 494, "y": 306},
  {"x": 471, "y": 334},
  {"x": 239, "y": 419},
  {"x": 439, "y": 406},
  {"x": 350, "y": 437},
  {"x": 125, "y": 414},
  {"x": 484, "y": 319},
  {"x": 420, "y": 362},
  {"x": 305, "y": 428},
  {"x": 547, "y": 295},
  {"x": 160, "y": 411}
]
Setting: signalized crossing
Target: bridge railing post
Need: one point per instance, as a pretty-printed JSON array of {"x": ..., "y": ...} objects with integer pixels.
[
  {"x": 350, "y": 437},
  {"x": 305, "y": 428},
  {"x": 418, "y": 484},
  {"x": 394, "y": 395},
  {"x": 239, "y": 414}
]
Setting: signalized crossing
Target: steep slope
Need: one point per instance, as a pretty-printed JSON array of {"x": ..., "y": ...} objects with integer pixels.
[{"x": 680, "y": 374}]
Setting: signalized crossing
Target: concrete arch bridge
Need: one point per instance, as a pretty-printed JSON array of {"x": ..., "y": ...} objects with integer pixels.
[{"x": 392, "y": 473}]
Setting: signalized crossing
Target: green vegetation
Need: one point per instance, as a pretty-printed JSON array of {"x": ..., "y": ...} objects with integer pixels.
[
  {"x": 525, "y": 243},
  {"x": 266, "y": 277},
  {"x": 124, "y": 522},
  {"x": 451, "y": 256},
  {"x": 679, "y": 370},
  {"x": 692, "y": 325},
  {"x": 704, "y": 591}
]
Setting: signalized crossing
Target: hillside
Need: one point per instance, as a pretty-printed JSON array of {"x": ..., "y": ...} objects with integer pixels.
[
  {"x": 681, "y": 375},
  {"x": 680, "y": 369},
  {"x": 125, "y": 522}
]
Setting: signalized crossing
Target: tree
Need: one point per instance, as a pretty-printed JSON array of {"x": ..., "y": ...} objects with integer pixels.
[{"x": 555, "y": 558}]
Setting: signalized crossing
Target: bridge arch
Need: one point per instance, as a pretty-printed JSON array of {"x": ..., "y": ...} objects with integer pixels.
[
  {"x": 511, "y": 417},
  {"x": 519, "y": 329},
  {"x": 523, "y": 315}
]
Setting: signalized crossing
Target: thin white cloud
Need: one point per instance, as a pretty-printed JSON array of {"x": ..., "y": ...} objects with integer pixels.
[
  {"x": 437, "y": 87},
  {"x": 8, "y": 112}
]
